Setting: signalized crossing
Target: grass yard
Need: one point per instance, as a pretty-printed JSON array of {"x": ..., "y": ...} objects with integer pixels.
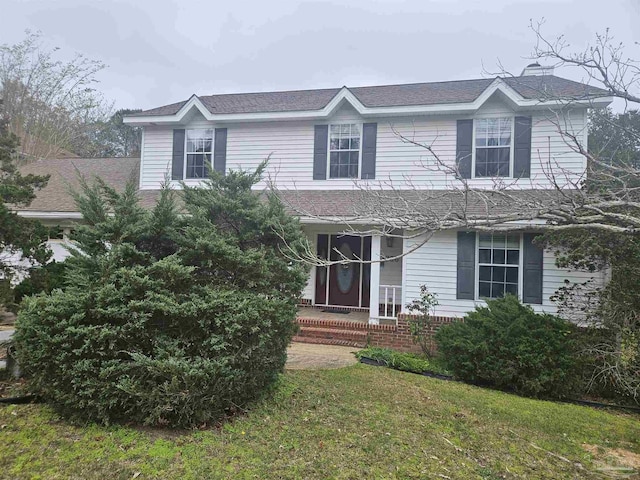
[{"x": 356, "y": 422}]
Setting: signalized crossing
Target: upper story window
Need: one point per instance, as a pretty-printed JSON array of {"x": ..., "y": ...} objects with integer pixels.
[
  {"x": 498, "y": 265},
  {"x": 198, "y": 153},
  {"x": 344, "y": 150},
  {"x": 493, "y": 147}
]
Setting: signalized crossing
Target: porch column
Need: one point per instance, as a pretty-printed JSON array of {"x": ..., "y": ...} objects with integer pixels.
[{"x": 374, "y": 285}]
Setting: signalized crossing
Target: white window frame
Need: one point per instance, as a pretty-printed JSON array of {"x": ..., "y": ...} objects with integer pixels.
[
  {"x": 511, "y": 144},
  {"x": 184, "y": 161},
  {"x": 329, "y": 177},
  {"x": 477, "y": 265}
]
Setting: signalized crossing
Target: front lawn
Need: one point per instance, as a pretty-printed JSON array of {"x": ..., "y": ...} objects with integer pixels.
[{"x": 355, "y": 422}]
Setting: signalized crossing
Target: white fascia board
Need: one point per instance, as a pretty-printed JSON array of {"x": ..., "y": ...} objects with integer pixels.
[
  {"x": 49, "y": 215},
  {"x": 519, "y": 103}
]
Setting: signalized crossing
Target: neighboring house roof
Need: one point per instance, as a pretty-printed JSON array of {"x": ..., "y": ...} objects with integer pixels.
[
  {"x": 415, "y": 94},
  {"x": 56, "y": 196}
]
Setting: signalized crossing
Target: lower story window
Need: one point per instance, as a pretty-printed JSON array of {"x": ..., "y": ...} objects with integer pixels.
[{"x": 498, "y": 265}]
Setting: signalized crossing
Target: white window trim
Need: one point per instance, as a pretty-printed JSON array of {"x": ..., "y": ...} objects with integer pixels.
[
  {"x": 511, "y": 145},
  {"x": 476, "y": 279},
  {"x": 184, "y": 160},
  {"x": 329, "y": 177}
]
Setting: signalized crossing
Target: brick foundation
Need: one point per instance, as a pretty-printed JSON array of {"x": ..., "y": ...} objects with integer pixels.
[{"x": 346, "y": 332}]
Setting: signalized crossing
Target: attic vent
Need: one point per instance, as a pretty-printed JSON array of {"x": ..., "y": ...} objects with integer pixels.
[{"x": 536, "y": 69}]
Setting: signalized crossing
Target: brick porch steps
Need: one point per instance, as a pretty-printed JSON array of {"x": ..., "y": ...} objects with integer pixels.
[
  {"x": 329, "y": 341},
  {"x": 332, "y": 332}
]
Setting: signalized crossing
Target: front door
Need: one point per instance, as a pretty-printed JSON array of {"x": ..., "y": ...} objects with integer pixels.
[{"x": 344, "y": 279}]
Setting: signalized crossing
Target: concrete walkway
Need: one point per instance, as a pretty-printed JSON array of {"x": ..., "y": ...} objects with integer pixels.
[
  {"x": 6, "y": 334},
  {"x": 309, "y": 356}
]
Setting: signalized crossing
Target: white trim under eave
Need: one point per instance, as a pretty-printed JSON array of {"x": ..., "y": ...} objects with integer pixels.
[
  {"x": 517, "y": 101},
  {"x": 49, "y": 215}
]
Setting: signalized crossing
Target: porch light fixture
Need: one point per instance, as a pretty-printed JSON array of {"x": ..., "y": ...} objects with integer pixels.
[{"x": 389, "y": 241}]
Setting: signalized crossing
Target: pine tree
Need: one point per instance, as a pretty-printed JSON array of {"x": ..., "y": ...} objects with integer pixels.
[{"x": 21, "y": 239}]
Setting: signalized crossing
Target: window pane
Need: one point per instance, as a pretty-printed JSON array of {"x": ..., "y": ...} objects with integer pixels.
[
  {"x": 345, "y": 129},
  {"x": 353, "y": 171},
  {"x": 503, "y": 162},
  {"x": 353, "y": 158},
  {"x": 484, "y": 289},
  {"x": 485, "y": 273},
  {"x": 333, "y": 171},
  {"x": 513, "y": 241},
  {"x": 512, "y": 275},
  {"x": 499, "y": 241},
  {"x": 484, "y": 255},
  {"x": 355, "y": 143},
  {"x": 498, "y": 274},
  {"x": 334, "y": 143},
  {"x": 481, "y": 162},
  {"x": 513, "y": 257},
  {"x": 355, "y": 130},
  {"x": 335, "y": 129},
  {"x": 485, "y": 240},
  {"x": 498, "y": 256},
  {"x": 333, "y": 158},
  {"x": 344, "y": 143},
  {"x": 497, "y": 290},
  {"x": 511, "y": 288}
]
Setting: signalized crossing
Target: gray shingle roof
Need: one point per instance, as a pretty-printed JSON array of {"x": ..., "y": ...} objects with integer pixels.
[
  {"x": 55, "y": 197},
  {"x": 460, "y": 91}
]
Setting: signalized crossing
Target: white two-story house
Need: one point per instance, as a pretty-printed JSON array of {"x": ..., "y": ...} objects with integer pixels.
[{"x": 326, "y": 147}]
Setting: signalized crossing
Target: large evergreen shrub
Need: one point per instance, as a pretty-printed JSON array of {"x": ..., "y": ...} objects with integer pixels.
[
  {"x": 166, "y": 319},
  {"x": 508, "y": 346}
]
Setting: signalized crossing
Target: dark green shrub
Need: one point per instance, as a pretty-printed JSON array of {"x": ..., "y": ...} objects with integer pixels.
[
  {"x": 508, "y": 346},
  {"x": 41, "y": 280},
  {"x": 166, "y": 320}
]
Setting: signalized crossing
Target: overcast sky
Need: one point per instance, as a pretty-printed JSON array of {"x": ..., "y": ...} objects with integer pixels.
[{"x": 162, "y": 51}]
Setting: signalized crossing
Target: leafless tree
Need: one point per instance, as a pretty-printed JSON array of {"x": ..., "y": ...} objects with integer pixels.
[{"x": 49, "y": 102}]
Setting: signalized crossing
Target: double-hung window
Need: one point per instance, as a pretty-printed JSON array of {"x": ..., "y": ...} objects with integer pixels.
[
  {"x": 493, "y": 147},
  {"x": 198, "y": 153},
  {"x": 344, "y": 150},
  {"x": 498, "y": 265}
]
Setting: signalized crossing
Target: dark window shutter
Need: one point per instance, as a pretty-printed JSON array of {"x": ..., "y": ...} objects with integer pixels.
[
  {"x": 464, "y": 147},
  {"x": 369, "y": 136},
  {"x": 532, "y": 270},
  {"x": 522, "y": 148},
  {"x": 320, "y": 145},
  {"x": 466, "y": 280},
  {"x": 220, "y": 151},
  {"x": 177, "y": 162}
]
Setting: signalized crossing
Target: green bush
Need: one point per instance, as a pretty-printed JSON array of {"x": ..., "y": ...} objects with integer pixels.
[
  {"x": 508, "y": 346},
  {"x": 166, "y": 319},
  {"x": 42, "y": 279},
  {"x": 407, "y": 362}
]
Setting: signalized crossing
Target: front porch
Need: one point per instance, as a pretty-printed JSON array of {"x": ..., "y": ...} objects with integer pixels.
[{"x": 366, "y": 287}]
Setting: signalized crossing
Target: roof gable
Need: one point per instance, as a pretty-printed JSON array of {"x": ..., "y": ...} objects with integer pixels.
[{"x": 435, "y": 97}]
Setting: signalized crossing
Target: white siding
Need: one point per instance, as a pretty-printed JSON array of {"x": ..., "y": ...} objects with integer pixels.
[
  {"x": 434, "y": 264},
  {"x": 290, "y": 147}
]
